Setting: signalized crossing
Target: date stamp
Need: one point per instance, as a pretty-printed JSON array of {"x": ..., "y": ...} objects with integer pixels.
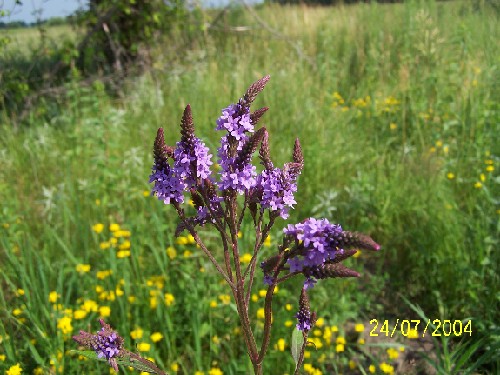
[{"x": 414, "y": 328}]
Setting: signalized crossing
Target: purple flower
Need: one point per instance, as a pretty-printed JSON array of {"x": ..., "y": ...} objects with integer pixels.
[
  {"x": 241, "y": 176},
  {"x": 277, "y": 190},
  {"x": 268, "y": 280},
  {"x": 167, "y": 186},
  {"x": 321, "y": 241},
  {"x": 107, "y": 343},
  {"x": 309, "y": 283},
  {"x": 304, "y": 319}
]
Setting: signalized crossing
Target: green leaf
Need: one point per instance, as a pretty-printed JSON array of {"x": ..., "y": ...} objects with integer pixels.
[
  {"x": 124, "y": 361},
  {"x": 296, "y": 344}
]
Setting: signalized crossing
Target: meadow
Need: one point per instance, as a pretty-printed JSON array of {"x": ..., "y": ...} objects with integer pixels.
[{"x": 397, "y": 110}]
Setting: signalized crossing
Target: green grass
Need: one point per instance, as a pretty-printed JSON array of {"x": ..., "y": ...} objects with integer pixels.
[{"x": 429, "y": 69}]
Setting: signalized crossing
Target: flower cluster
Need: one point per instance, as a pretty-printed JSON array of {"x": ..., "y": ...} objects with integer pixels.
[
  {"x": 273, "y": 189},
  {"x": 106, "y": 343}
]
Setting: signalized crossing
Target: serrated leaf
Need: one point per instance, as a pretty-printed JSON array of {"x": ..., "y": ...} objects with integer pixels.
[
  {"x": 124, "y": 361},
  {"x": 296, "y": 345}
]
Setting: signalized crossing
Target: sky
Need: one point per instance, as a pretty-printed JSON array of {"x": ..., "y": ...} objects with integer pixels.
[
  {"x": 49, "y": 8},
  {"x": 57, "y": 8}
]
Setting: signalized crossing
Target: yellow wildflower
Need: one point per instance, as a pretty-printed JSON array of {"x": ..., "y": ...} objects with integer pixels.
[
  {"x": 215, "y": 371},
  {"x": 171, "y": 252},
  {"x": 339, "y": 348},
  {"x": 82, "y": 268},
  {"x": 123, "y": 254},
  {"x": 393, "y": 126},
  {"x": 169, "y": 299},
  {"x": 352, "y": 364},
  {"x": 386, "y": 368},
  {"x": 104, "y": 311},
  {"x": 89, "y": 305},
  {"x": 104, "y": 245},
  {"x": 121, "y": 233},
  {"x": 288, "y": 323},
  {"x": 213, "y": 303},
  {"x": 187, "y": 254},
  {"x": 225, "y": 299},
  {"x": 246, "y": 258},
  {"x": 392, "y": 353},
  {"x": 450, "y": 175},
  {"x": 53, "y": 296},
  {"x": 372, "y": 369},
  {"x": 478, "y": 185},
  {"x": 267, "y": 241},
  {"x": 64, "y": 324},
  {"x": 136, "y": 333},
  {"x": 146, "y": 193},
  {"x": 260, "y": 313},
  {"x": 359, "y": 327},
  {"x": 156, "y": 336},
  {"x": 174, "y": 367},
  {"x": 490, "y": 168},
  {"x": 143, "y": 347},
  {"x": 79, "y": 314},
  {"x": 103, "y": 274},
  {"x": 14, "y": 370},
  {"x": 114, "y": 227},
  {"x": 98, "y": 228},
  {"x": 125, "y": 245}
]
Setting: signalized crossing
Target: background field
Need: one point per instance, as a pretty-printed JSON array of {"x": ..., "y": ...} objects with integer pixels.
[{"x": 396, "y": 107}]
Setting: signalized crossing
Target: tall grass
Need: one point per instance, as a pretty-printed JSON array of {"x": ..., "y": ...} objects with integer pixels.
[{"x": 404, "y": 150}]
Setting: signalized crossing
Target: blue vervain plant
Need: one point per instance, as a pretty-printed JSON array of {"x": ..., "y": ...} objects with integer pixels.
[{"x": 313, "y": 248}]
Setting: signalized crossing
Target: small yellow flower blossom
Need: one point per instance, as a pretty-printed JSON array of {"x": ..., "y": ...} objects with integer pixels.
[
  {"x": 392, "y": 353},
  {"x": 122, "y": 233},
  {"x": 317, "y": 333},
  {"x": 169, "y": 299},
  {"x": 288, "y": 323},
  {"x": 446, "y": 149},
  {"x": 89, "y": 305},
  {"x": 262, "y": 293},
  {"x": 215, "y": 371},
  {"x": 386, "y": 368},
  {"x": 113, "y": 241},
  {"x": 213, "y": 304},
  {"x": 280, "y": 345},
  {"x": 137, "y": 333},
  {"x": 38, "y": 371},
  {"x": 143, "y": 347},
  {"x": 432, "y": 150},
  {"x": 146, "y": 193},
  {"x": 104, "y": 311},
  {"x": 490, "y": 168},
  {"x": 372, "y": 369},
  {"x": 131, "y": 299},
  {"x": 156, "y": 336},
  {"x": 225, "y": 299},
  {"x": 171, "y": 252},
  {"x": 82, "y": 268},
  {"x": 187, "y": 254},
  {"x": 289, "y": 307},
  {"x": 359, "y": 327},
  {"x": 14, "y": 370},
  {"x": 260, "y": 313},
  {"x": 64, "y": 324},
  {"x": 267, "y": 241},
  {"x": 316, "y": 341},
  {"x": 482, "y": 177},
  {"x": 53, "y": 296},
  {"x": 216, "y": 340},
  {"x": 450, "y": 175},
  {"x": 439, "y": 143},
  {"x": 2, "y": 357},
  {"x": 114, "y": 227},
  {"x": 103, "y": 274},
  {"x": 255, "y": 297},
  {"x": 240, "y": 234},
  {"x": 340, "y": 340},
  {"x": 99, "y": 289},
  {"x": 17, "y": 312},
  {"x": 327, "y": 335},
  {"x": 307, "y": 354},
  {"x": 339, "y": 348},
  {"x": 352, "y": 364},
  {"x": 199, "y": 373},
  {"x": 182, "y": 240},
  {"x": 123, "y": 254},
  {"x": 79, "y": 314},
  {"x": 104, "y": 245},
  {"x": 125, "y": 245},
  {"x": 361, "y": 341},
  {"x": 97, "y": 202},
  {"x": 412, "y": 334},
  {"x": 478, "y": 185},
  {"x": 98, "y": 228},
  {"x": 393, "y": 126},
  {"x": 174, "y": 367},
  {"x": 153, "y": 302},
  {"x": 357, "y": 254},
  {"x": 335, "y": 329},
  {"x": 246, "y": 258},
  {"x": 401, "y": 348}
]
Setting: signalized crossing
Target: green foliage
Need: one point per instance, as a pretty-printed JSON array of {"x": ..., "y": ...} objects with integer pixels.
[{"x": 415, "y": 165}]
